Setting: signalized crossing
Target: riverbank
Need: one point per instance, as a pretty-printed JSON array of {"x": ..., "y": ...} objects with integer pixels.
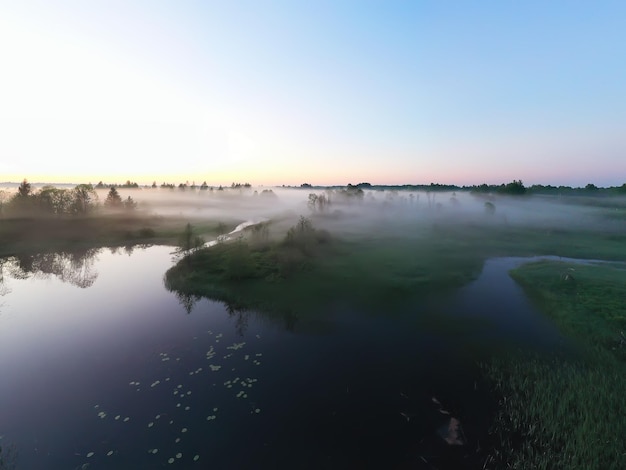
[
  {"x": 371, "y": 270},
  {"x": 30, "y": 235},
  {"x": 555, "y": 411},
  {"x": 562, "y": 410}
]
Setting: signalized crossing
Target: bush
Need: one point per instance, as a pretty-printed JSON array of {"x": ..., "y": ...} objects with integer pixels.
[
  {"x": 187, "y": 241},
  {"x": 490, "y": 208},
  {"x": 305, "y": 238},
  {"x": 289, "y": 260},
  {"x": 146, "y": 233},
  {"x": 239, "y": 264}
]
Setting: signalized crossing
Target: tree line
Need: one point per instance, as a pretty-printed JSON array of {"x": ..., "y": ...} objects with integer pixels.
[
  {"x": 515, "y": 187},
  {"x": 49, "y": 200}
]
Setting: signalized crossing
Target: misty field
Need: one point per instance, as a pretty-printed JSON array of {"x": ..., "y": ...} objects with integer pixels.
[{"x": 307, "y": 262}]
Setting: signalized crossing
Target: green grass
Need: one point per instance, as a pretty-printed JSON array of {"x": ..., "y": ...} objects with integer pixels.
[
  {"x": 30, "y": 235},
  {"x": 369, "y": 274},
  {"x": 377, "y": 270},
  {"x": 565, "y": 411},
  {"x": 588, "y": 302},
  {"x": 559, "y": 414}
]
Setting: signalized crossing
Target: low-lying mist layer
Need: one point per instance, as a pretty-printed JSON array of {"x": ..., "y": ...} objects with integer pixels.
[{"x": 388, "y": 246}]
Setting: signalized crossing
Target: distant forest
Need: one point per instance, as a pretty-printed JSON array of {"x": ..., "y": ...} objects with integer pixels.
[{"x": 515, "y": 187}]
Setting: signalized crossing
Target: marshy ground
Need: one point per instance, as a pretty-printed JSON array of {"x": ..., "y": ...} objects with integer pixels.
[{"x": 386, "y": 263}]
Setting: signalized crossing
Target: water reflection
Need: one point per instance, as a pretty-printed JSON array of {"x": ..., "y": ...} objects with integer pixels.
[
  {"x": 74, "y": 267},
  {"x": 187, "y": 300},
  {"x": 127, "y": 249},
  {"x": 138, "y": 383},
  {"x": 8, "y": 457},
  {"x": 240, "y": 316},
  {"x": 4, "y": 289}
]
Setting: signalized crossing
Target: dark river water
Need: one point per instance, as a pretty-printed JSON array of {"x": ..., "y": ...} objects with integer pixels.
[{"x": 102, "y": 367}]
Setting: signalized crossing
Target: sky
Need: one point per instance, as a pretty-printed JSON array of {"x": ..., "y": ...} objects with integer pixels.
[{"x": 323, "y": 92}]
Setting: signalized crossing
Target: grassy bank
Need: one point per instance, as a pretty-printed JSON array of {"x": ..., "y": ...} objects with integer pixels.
[
  {"x": 279, "y": 275},
  {"x": 29, "y": 235},
  {"x": 567, "y": 411},
  {"x": 376, "y": 269}
]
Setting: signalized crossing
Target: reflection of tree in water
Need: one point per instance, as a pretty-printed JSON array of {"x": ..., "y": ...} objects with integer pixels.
[
  {"x": 8, "y": 457},
  {"x": 74, "y": 267},
  {"x": 290, "y": 318},
  {"x": 187, "y": 300},
  {"x": 4, "y": 289},
  {"x": 241, "y": 317}
]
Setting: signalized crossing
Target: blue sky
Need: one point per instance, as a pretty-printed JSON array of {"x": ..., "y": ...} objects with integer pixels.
[{"x": 321, "y": 92}]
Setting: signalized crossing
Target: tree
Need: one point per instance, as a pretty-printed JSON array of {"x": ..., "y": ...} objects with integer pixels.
[
  {"x": 187, "y": 241},
  {"x": 54, "y": 200},
  {"x": 85, "y": 198},
  {"x": 301, "y": 235},
  {"x": 516, "y": 187},
  {"x": 25, "y": 189},
  {"x": 4, "y": 197},
  {"x": 113, "y": 200},
  {"x": 318, "y": 202},
  {"x": 490, "y": 208},
  {"x": 129, "y": 204}
]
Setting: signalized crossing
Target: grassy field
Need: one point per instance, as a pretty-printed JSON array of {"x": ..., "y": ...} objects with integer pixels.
[
  {"x": 29, "y": 235},
  {"x": 566, "y": 411},
  {"x": 373, "y": 270}
]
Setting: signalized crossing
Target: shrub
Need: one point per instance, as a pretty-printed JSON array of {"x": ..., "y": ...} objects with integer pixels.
[
  {"x": 146, "y": 232},
  {"x": 239, "y": 264}
]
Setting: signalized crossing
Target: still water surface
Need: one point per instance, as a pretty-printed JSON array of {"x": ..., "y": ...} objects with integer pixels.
[{"x": 106, "y": 369}]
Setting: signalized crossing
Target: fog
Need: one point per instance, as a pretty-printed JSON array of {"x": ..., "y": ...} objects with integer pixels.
[
  {"x": 354, "y": 212},
  {"x": 393, "y": 213}
]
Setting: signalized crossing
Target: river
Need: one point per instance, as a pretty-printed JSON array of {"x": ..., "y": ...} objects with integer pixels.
[{"x": 102, "y": 367}]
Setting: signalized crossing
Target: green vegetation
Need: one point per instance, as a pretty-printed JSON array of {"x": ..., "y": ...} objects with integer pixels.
[
  {"x": 562, "y": 411},
  {"x": 188, "y": 241},
  {"x": 28, "y": 235},
  {"x": 555, "y": 412},
  {"x": 52, "y": 219},
  {"x": 515, "y": 187},
  {"x": 113, "y": 200},
  {"x": 50, "y": 201},
  {"x": 252, "y": 272},
  {"x": 376, "y": 265},
  {"x": 128, "y": 185},
  {"x": 586, "y": 301}
]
